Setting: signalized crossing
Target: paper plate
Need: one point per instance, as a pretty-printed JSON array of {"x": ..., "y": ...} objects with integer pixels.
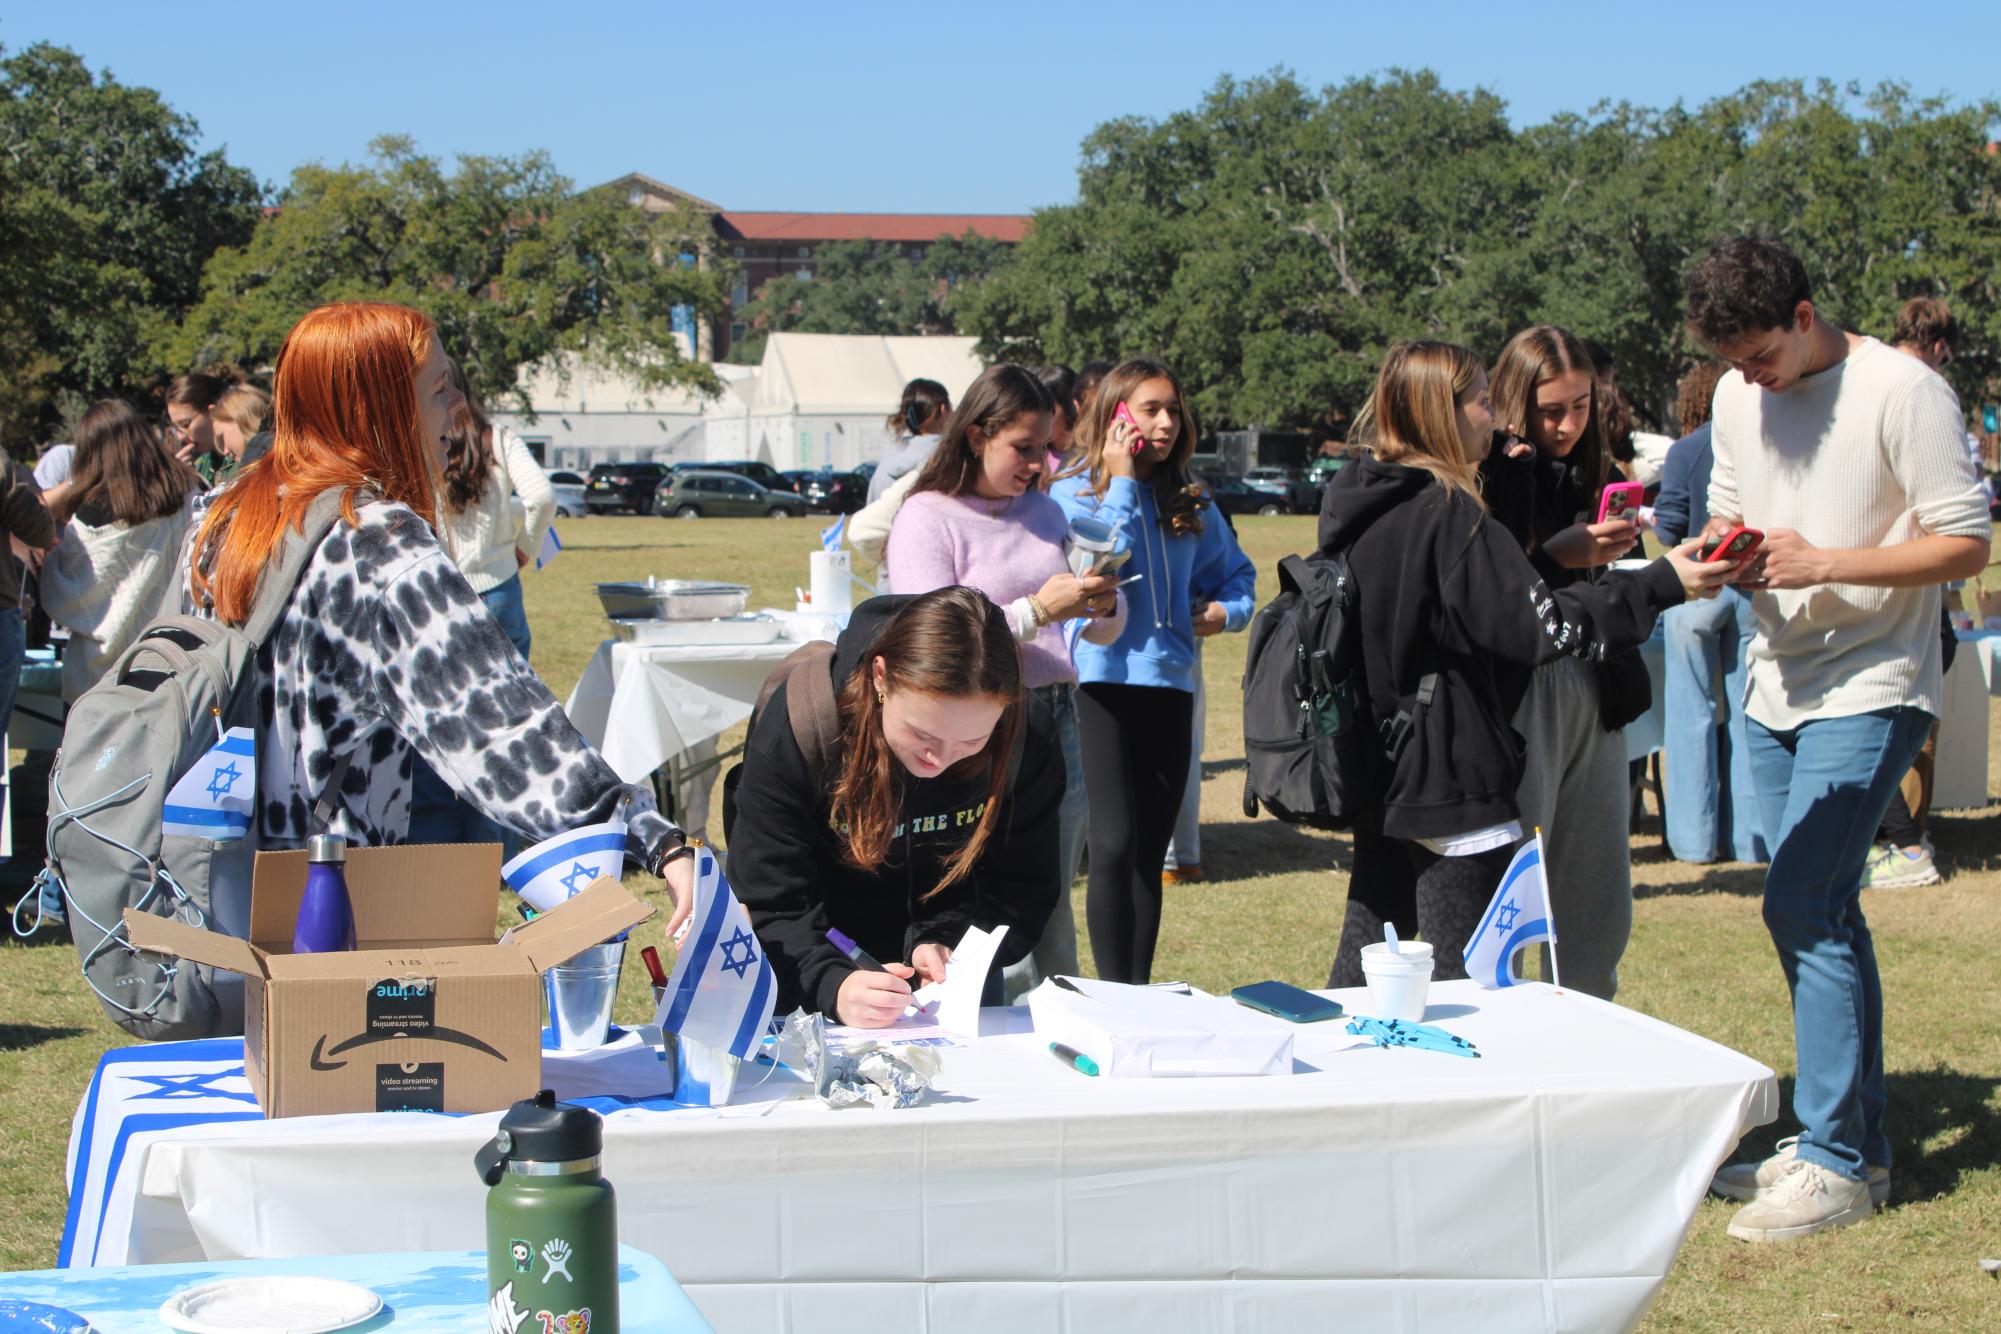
[{"x": 278, "y": 1304}]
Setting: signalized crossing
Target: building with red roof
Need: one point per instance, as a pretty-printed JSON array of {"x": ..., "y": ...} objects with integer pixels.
[{"x": 776, "y": 245}]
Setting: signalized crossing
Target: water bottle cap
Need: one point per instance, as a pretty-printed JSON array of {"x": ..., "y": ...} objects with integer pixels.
[
  {"x": 542, "y": 1130},
  {"x": 326, "y": 848}
]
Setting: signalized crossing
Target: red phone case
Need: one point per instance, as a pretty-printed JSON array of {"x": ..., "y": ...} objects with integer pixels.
[{"x": 1722, "y": 550}]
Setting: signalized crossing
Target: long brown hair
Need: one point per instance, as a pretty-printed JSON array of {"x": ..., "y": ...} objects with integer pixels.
[
  {"x": 1533, "y": 357},
  {"x": 991, "y": 403},
  {"x": 345, "y": 417},
  {"x": 121, "y": 463},
  {"x": 952, "y": 642},
  {"x": 469, "y": 458},
  {"x": 1176, "y": 494},
  {"x": 921, "y": 398},
  {"x": 1414, "y": 412}
]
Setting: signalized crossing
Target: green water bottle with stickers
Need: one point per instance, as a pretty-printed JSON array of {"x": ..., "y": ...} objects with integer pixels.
[{"x": 551, "y": 1222}]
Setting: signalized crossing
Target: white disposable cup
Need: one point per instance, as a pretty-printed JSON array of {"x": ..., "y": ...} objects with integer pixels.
[
  {"x": 1397, "y": 982},
  {"x": 1092, "y": 543}
]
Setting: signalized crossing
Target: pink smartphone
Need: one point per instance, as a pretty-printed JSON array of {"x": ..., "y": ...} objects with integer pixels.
[
  {"x": 1621, "y": 500},
  {"x": 1124, "y": 414}
]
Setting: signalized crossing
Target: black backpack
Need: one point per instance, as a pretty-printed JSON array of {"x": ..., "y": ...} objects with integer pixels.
[{"x": 1315, "y": 751}]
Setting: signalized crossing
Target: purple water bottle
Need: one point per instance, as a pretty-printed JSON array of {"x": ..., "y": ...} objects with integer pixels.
[{"x": 326, "y": 917}]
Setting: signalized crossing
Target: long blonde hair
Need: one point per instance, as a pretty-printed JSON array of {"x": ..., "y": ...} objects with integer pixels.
[
  {"x": 1176, "y": 494},
  {"x": 1413, "y": 412}
]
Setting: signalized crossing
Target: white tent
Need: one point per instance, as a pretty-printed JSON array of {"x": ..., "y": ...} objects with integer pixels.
[
  {"x": 821, "y": 400},
  {"x": 599, "y": 416}
]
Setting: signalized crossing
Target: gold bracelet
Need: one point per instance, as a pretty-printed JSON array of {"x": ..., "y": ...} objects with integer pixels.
[{"x": 1038, "y": 611}]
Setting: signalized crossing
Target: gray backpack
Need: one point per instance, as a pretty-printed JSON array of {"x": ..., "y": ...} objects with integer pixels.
[{"x": 127, "y": 740}]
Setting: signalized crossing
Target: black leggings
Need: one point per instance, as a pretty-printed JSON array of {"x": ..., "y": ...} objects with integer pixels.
[
  {"x": 1424, "y": 894},
  {"x": 1136, "y": 747}
]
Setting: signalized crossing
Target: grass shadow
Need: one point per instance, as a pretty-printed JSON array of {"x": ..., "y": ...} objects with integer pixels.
[
  {"x": 20, "y": 1037},
  {"x": 1719, "y": 878},
  {"x": 1267, "y": 847},
  {"x": 1950, "y": 1110},
  {"x": 1214, "y": 768}
]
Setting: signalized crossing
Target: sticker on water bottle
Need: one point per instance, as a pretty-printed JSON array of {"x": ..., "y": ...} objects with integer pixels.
[{"x": 569, "y": 1322}]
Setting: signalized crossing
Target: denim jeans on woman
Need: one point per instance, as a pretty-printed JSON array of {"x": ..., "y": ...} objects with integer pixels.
[
  {"x": 438, "y": 814},
  {"x": 1712, "y": 810},
  {"x": 1823, "y": 787},
  {"x": 1056, "y": 952}
]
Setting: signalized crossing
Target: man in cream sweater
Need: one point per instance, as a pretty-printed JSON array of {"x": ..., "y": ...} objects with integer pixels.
[{"x": 1851, "y": 459}]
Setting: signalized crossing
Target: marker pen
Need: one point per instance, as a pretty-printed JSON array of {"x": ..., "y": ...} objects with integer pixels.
[
  {"x": 858, "y": 956},
  {"x": 1072, "y": 1057}
]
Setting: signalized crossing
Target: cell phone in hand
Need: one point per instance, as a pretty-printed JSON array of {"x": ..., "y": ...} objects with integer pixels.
[
  {"x": 1286, "y": 1001},
  {"x": 1622, "y": 500},
  {"x": 1124, "y": 414},
  {"x": 1739, "y": 544}
]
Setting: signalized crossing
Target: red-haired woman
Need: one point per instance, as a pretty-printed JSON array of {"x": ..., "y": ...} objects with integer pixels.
[
  {"x": 384, "y": 647},
  {"x": 929, "y": 805}
]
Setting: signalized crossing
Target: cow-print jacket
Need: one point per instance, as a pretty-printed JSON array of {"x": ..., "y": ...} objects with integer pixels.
[{"x": 385, "y": 646}]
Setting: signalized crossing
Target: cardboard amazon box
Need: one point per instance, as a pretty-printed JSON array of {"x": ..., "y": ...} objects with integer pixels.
[{"x": 428, "y": 1013}]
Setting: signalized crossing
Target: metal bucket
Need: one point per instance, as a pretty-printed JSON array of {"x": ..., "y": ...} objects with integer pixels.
[{"x": 581, "y": 992}]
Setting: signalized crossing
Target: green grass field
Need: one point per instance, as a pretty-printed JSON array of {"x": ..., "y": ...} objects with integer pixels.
[{"x": 1272, "y": 906}]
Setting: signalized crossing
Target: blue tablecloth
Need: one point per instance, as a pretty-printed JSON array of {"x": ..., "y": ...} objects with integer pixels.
[
  {"x": 166, "y": 1086},
  {"x": 432, "y": 1292}
]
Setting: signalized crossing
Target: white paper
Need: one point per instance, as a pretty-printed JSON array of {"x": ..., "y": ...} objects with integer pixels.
[
  {"x": 955, "y": 1002},
  {"x": 1145, "y": 1032}
]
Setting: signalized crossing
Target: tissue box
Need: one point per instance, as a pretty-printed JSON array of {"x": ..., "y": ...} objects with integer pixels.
[{"x": 1151, "y": 1033}]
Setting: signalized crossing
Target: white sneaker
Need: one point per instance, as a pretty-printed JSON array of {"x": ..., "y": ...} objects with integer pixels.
[
  {"x": 1809, "y": 1198},
  {"x": 1890, "y": 867},
  {"x": 1748, "y": 1181}
]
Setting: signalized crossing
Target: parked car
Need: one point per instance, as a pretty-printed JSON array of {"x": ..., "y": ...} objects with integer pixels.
[
  {"x": 697, "y": 494},
  {"x": 569, "y": 489},
  {"x": 1233, "y": 496},
  {"x": 763, "y": 474},
  {"x": 830, "y": 492},
  {"x": 623, "y": 486},
  {"x": 1324, "y": 466},
  {"x": 1290, "y": 485}
]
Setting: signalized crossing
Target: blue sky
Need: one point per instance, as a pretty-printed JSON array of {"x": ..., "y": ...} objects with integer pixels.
[{"x": 921, "y": 108}]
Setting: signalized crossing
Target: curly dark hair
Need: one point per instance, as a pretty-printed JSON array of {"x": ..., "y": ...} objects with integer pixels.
[
  {"x": 1695, "y": 396},
  {"x": 1744, "y": 285}
]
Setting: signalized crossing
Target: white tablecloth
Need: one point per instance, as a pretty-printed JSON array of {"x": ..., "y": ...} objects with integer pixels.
[
  {"x": 1547, "y": 1185},
  {"x": 642, "y": 707}
]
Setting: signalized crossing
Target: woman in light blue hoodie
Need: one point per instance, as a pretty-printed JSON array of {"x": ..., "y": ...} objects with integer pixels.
[{"x": 1136, "y": 695}]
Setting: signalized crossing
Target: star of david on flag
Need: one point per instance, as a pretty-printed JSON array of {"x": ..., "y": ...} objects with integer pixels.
[
  {"x": 567, "y": 864},
  {"x": 1517, "y": 918},
  {"x": 214, "y": 798},
  {"x": 722, "y": 991}
]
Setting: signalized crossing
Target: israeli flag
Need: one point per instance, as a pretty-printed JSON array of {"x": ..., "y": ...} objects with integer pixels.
[
  {"x": 551, "y": 545},
  {"x": 722, "y": 990},
  {"x": 830, "y": 536},
  {"x": 1518, "y": 917},
  {"x": 558, "y": 867},
  {"x": 215, "y": 797}
]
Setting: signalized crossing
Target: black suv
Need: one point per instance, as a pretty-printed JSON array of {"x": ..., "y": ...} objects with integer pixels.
[{"x": 623, "y": 486}]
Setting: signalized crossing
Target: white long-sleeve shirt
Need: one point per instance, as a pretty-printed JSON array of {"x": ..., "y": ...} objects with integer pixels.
[
  {"x": 1867, "y": 453},
  {"x": 481, "y": 540}
]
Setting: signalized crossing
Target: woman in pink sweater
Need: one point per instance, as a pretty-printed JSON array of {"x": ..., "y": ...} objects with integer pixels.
[{"x": 978, "y": 517}]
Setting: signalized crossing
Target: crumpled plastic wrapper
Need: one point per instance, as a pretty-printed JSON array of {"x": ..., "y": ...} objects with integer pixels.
[{"x": 861, "y": 1074}]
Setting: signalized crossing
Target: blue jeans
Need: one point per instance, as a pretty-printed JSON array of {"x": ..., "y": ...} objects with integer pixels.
[
  {"x": 437, "y": 813},
  {"x": 1712, "y": 810},
  {"x": 1823, "y": 788},
  {"x": 1056, "y": 951},
  {"x": 1185, "y": 848}
]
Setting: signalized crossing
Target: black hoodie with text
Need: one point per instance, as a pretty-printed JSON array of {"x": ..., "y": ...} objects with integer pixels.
[
  {"x": 1444, "y": 588},
  {"x": 785, "y": 860}
]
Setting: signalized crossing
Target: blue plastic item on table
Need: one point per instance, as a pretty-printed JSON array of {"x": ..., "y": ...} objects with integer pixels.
[
  {"x": 39, "y": 1318},
  {"x": 426, "y": 1292}
]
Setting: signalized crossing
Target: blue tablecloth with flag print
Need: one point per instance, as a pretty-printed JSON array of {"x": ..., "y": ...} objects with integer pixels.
[{"x": 168, "y": 1086}]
